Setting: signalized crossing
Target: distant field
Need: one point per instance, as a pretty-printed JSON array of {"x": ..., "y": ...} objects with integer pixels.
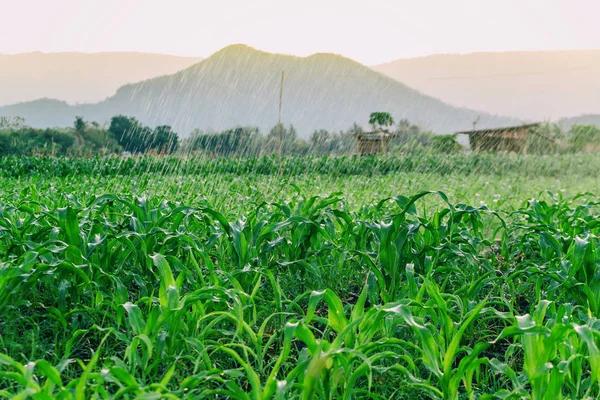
[{"x": 424, "y": 276}]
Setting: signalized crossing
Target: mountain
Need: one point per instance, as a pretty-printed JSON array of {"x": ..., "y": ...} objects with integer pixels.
[
  {"x": 536, "y": 85},
  {"x": 79, "y": 77},
  {"x": 588, "y": 119},
  {"x": 240, "y": 85}
]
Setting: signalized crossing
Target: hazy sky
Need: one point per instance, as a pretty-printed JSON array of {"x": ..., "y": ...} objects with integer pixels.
[{"x": 370, "y": 31}]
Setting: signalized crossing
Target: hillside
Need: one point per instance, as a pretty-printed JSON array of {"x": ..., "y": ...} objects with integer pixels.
[
  {"x": 588, "y": 119},
  {"x": 240, "y": 86},
  {"x": 79, "y": 77},
  {"x": 528, "y": 85}
]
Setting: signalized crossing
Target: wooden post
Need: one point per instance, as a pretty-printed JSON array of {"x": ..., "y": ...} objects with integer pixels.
[{"x": 279, "y": 120}]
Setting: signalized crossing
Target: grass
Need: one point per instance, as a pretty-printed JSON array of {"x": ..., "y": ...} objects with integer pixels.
[{"x": 232, "y": 284}]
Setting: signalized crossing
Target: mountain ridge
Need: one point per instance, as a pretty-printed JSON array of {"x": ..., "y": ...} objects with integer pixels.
[
  {"x": 77, "y": 77},
  {"x": 239, "y": 85},
  {"x": 533, "y": 85}
]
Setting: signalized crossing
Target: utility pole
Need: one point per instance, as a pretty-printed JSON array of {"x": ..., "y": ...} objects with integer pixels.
[{"x": 279, "y": 120}]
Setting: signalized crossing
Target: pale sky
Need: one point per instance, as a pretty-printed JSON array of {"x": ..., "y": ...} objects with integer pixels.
[{"x": 369, "y": 31}]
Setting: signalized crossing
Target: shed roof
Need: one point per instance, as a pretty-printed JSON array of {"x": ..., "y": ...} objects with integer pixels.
[
  {"x": 499, "y": 130},
  {"x": 377, "y": 135}
]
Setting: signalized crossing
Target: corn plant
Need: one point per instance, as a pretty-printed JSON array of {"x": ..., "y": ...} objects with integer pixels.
[{"x": 196, "y": 278}]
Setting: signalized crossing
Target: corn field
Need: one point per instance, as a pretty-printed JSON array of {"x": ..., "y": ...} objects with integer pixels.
[
  {"x": 532, "y": 166},
  {"x": 150, "y": 279}
]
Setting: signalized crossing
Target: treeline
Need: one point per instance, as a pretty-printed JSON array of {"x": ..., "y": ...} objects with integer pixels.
[
  {"x": 248, "y": 141},
  {"x": 85, "y": 138},
  {"x": 550, "y": 138},
  {"x": 126, "y": 134}
]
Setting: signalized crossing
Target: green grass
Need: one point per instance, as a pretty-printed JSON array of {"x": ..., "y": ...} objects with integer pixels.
[{"x": 223, "y": 283}]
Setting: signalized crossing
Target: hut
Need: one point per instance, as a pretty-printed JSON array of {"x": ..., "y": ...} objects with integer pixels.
[
  {"x": 509, "y": 139},
  {"x": 373, "y": 142}
]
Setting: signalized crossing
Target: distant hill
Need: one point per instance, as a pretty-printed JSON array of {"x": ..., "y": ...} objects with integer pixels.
[
  {"x": 239, "y": 85},
  {"x": 581, "y": 120},
  {"x": 528, "y": 85},
  {"x": 79, "y": 77}
]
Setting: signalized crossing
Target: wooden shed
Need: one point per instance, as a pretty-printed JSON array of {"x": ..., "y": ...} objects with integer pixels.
[
  {"x": 509, "y": 139},
  {"x": 373, "y": 142}
]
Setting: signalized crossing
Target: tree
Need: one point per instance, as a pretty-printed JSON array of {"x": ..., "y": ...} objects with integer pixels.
[
  {"x": 79, "y": 124},
  {"x": 381, "y": 120},
  {"x": 584, "y": 137},
  {"x": 5, "y": 144},
  {"x": 287, "y": 133},
  {"x": 545, "y": 139},
  {"x": 290, "y": 143},
  {"x": 320, "y": 141},
  {"x": 129, "y": 133},
  {"x": 101, "y": 142},
  {"x": 18, "y": 139},
  {"x": 355, "y": 129},
  {"x": 164, "y": 139},
  {"x": 410, "y": 136},
  {"x": 446, "y": 144},
  {"x": 121, "y": 124},
  {"x": 136, "y": 138},
  {"x": 14, "y": 123},
  {"x": 30, "y": 141},
  {"x": 79, "y": 130},
  {"x": 236, "y": 142}
]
